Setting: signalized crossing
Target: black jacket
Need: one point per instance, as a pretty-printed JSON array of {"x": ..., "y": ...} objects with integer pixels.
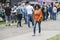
[{"x": 7, "y": 11}]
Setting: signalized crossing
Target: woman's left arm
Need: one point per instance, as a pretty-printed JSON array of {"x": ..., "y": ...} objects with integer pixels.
[{"x": 40, "y": 13}]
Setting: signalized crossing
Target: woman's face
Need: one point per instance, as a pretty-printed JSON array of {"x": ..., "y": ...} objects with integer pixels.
[{"x": 37, "y": 7}]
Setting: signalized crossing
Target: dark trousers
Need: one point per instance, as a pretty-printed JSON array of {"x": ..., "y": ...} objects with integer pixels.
[
  {"x": 39, "y": 25},
  {"x": 25, "y": 18},
  {"x": 19, "y": 23},
  {"x": 43, "y": 16},
  {"x": 13, "y": 17},
  {"x": 54, "y": 16},
  {"x": 51, "y": 15},
  {"x": 19, "y": 16},
  {"x": 47, "y": 14}
]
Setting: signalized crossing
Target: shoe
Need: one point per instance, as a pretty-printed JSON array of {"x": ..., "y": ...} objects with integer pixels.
[
  {"x": 17, "y": 25},
  {"x": 6, "y": 25},
  {"x": 20, "y": 26},
  {"x": 25, "y": 23},
  {"x": 39, "y": 32},
  {"x": 29, "y": 27},
  {"x": 34, "y": 35},
  {"x": 12, "y": 21},
  {"x": 9, "y": 25}
]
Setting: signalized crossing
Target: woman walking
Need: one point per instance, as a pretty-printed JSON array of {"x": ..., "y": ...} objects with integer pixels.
[{"x": 37, "y": 17}]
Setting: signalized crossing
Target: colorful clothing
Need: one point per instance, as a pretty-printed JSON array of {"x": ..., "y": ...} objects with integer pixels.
[{"x": 37, "y": 14}]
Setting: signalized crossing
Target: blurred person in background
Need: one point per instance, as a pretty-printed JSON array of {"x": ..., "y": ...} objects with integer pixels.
[
  {"x": 37, "y": 18},
  {"x": 58, "y": 10},
  {"x": 44, "y": 10},
  {"x": 13, "y": 13},
  {"x": 3, "y": 6},
  {"x": 24, "y": 11},
  {"x": 57, "y": 6},
  {"x": 50, "y": 11},
  {"x": 19, "y": 15},
  {"x": 29, "y": 9},
  {"x": 47, "y": 13},
  {"x": 54, "y": 12},
  {"x": 1, "y": 11},
  {"x": 7, "y": 14}
]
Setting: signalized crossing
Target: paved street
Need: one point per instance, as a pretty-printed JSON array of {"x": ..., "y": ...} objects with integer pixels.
[
  {"x": 48, "y": 26},
  {"x": 28, "y": 36}
]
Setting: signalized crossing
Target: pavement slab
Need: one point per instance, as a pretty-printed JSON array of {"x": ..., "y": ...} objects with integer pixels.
[{"x": 44, "y": 35}]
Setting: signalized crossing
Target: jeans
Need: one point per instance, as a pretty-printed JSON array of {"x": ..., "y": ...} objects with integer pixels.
[
  {"x": 25, "y": 18},
  {"x": 54, "y": 16},
  {"x": 51, "y": 15},
  {"x": 46, "y": 16},
  {"x": 28, "y": 19},
  {"x": 39, "y": 25},
  {"x": 13, "y": 17},
  {"x": 7, "y": 18}
]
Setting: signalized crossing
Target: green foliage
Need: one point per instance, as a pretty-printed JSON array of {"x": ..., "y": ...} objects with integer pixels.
[
  {"x": 57, "y": 37},
  {"x": 2, "y": 22}
]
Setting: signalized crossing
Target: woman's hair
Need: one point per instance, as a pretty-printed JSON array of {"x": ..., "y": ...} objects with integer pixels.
[
  {"x": 15, "y": 4},
  {"x": 37, "y": 5},
  {"x": 27, "y": 2},
  {"x": 43, "y": 2}
]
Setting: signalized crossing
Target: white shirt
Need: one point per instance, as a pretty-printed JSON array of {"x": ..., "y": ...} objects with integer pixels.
[
  {"x": 54, "y": 9},
  {"x": 29, "y": 9},
  {"x": 18, "y": 7},
  {"x": 14, "y": 9}
]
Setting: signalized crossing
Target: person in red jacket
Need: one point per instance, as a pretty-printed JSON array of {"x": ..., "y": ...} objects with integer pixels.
[{"x": 37, "y": 17}]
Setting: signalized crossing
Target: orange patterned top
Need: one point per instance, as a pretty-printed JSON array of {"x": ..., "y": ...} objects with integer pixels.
[{"x": 37, "y": 14}]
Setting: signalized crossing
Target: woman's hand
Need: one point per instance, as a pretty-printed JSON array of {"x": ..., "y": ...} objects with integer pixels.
[{"x": 38, "y": 20}]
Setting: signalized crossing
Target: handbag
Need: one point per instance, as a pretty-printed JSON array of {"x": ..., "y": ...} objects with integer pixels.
[{"x": 41, "y": 18}]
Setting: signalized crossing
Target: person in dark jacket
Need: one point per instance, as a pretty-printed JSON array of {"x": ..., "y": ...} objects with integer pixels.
[
  {"x": 7, "y": 14},
  {"x": 19, "y": 15},
  {"x": 50, "y": 11},
  {"x": 44, "y": 10}
]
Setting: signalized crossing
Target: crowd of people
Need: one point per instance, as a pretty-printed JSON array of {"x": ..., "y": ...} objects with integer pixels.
[{"x": 34, "y": 14}]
